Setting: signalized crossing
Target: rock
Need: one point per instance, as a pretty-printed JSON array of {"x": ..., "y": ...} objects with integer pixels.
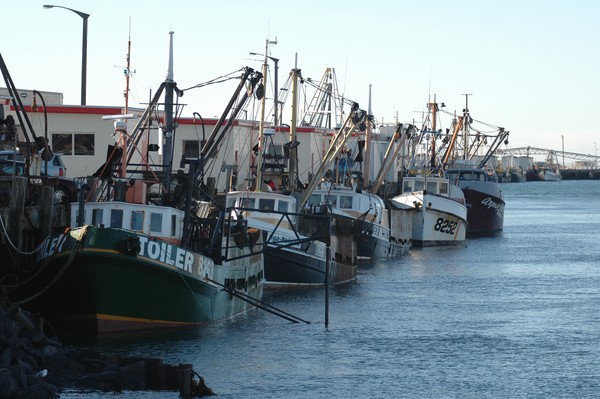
[
  {"x": 133, "y": 376},
  {"x": 33, "y": 366},
  {"x": 8, "y": 385},
  {"x": 39, "y": 391}
]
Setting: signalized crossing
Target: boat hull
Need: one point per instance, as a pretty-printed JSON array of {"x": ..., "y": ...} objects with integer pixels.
[
  {"x": 436, "y": 220},
  {"x": 549, "y": 175},
  {"x": 483, "y": 197},
  {"x": 108, "y": 284},
  {"x": 286, "y": 268},
  {"x": 375, "y": 242},
  {"x": 485, "y": 212}
]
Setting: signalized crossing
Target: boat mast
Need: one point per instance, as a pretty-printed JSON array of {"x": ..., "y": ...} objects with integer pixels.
[
  {"x": 127, "y": 70},
  {"x": 261, "y": 130},
  {"x": 167, "y": 129},
  {"x": 433, "y": 109},
  {"x": 124, "y": 136},
  {"x": 466, "y": 123},
  {"x": 367, "y": 149},
  {"x": 293, "y": 165}
]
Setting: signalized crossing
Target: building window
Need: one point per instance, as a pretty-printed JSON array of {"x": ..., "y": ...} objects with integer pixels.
[
  {"x": 84, "y": 144},
  {"x": 62, "y": 143},
  {"x": 73, "y": 144}
]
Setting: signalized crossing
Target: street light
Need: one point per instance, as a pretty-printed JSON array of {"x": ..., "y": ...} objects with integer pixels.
[
  {"x": 275, "y": 98},
  {"x": 84, "y": 16}
]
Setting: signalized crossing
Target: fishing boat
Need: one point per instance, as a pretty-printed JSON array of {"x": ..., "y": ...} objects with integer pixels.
[
  {"x": 367, "y": 212},
  {"x": 127, "y": 269},
  {"x": 336, "y": 192},
  {"x": 517, "y": 175},
  {"x": 292, "y": 259},
  {"x": 548, "y": 173},
  {"x": 438, "y": 210},
  {"x": 468, "y": 170},
  {"x": 140, "y": 256}
]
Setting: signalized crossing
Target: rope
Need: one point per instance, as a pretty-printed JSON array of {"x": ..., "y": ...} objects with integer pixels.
[
  {"x": 5, "y": 232},
  {"x": 61, "y": 272}
]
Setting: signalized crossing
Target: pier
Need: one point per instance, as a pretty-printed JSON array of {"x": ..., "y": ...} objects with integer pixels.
[{"x": 585, "y": 166}]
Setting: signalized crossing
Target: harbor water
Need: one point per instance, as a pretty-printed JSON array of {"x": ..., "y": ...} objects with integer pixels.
[{"x": 514, "y": 316}]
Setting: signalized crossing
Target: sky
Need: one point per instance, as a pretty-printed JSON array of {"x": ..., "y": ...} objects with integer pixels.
[{"x": 531, "y": 67}]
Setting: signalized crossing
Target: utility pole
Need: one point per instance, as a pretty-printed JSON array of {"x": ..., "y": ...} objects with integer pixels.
[{"x": 563, "y": 150}]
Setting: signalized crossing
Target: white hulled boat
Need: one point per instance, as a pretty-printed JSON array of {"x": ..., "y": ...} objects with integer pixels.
[{"x": 438, "y": 210}]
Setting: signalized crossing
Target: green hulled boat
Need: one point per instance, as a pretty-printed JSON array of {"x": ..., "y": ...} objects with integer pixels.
[{"x": 106, "y": 279}]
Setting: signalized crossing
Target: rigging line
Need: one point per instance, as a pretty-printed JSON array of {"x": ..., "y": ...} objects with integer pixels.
[
  {"x": 220, "y": 79},
  {"x": 474, "y": 120},
  {"x": 336, "y": 95},
  {"x": 261, "y": 304}
]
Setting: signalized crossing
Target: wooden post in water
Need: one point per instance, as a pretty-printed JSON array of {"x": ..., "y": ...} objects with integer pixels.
[
  {"x": 328, "y": 253},
  {"x": 17, "y": 210}
]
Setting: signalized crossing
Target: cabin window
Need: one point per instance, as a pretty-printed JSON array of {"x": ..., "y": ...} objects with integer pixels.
[
  {"x": 97, "y": 215},
  {"x": 282, "y": 206},
  {"x": 443, "y": 188},
  {"x": 266, "y": 204},
  {"x": 345, "y": 202},
  {"x": 419, "y": 185},
  {"x": 249, "y": 203},
  {"x": 156, "y": 222},
  {"x": 315, "y": 199},
  {"x": 116, "y": 218},
  {"x": 137, "y": 220},
  {"x": 479, "y": 177},
  {"x": 452, "y": 176},
  {"x": 466, "y": 176},
  {"x": 331, "y": 200},
  {"x": 408, "y": 185},
  {"x": 173, "y": 225},
  {"x": 431, "y": 186}
]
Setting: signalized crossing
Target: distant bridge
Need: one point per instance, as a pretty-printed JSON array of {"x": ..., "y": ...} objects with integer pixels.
[{"x": 528, "y": 151}]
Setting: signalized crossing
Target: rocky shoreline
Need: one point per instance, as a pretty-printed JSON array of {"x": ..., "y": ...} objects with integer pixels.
[{"x": 34, "y": 366}]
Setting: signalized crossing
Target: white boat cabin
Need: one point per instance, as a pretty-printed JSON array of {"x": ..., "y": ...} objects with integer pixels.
[
  {"x": 433, "y": 185},
  {"x": 158, "y": 221},
  {"x": 346, "y": 200},
  {"x": 262, "y": 201},
  {"x": 456, "y": 175}
]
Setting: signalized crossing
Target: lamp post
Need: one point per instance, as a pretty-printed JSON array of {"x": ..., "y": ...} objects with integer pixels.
[
  {"x": 85, "y": 17},
  {"x": 275, "y": 82}
]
